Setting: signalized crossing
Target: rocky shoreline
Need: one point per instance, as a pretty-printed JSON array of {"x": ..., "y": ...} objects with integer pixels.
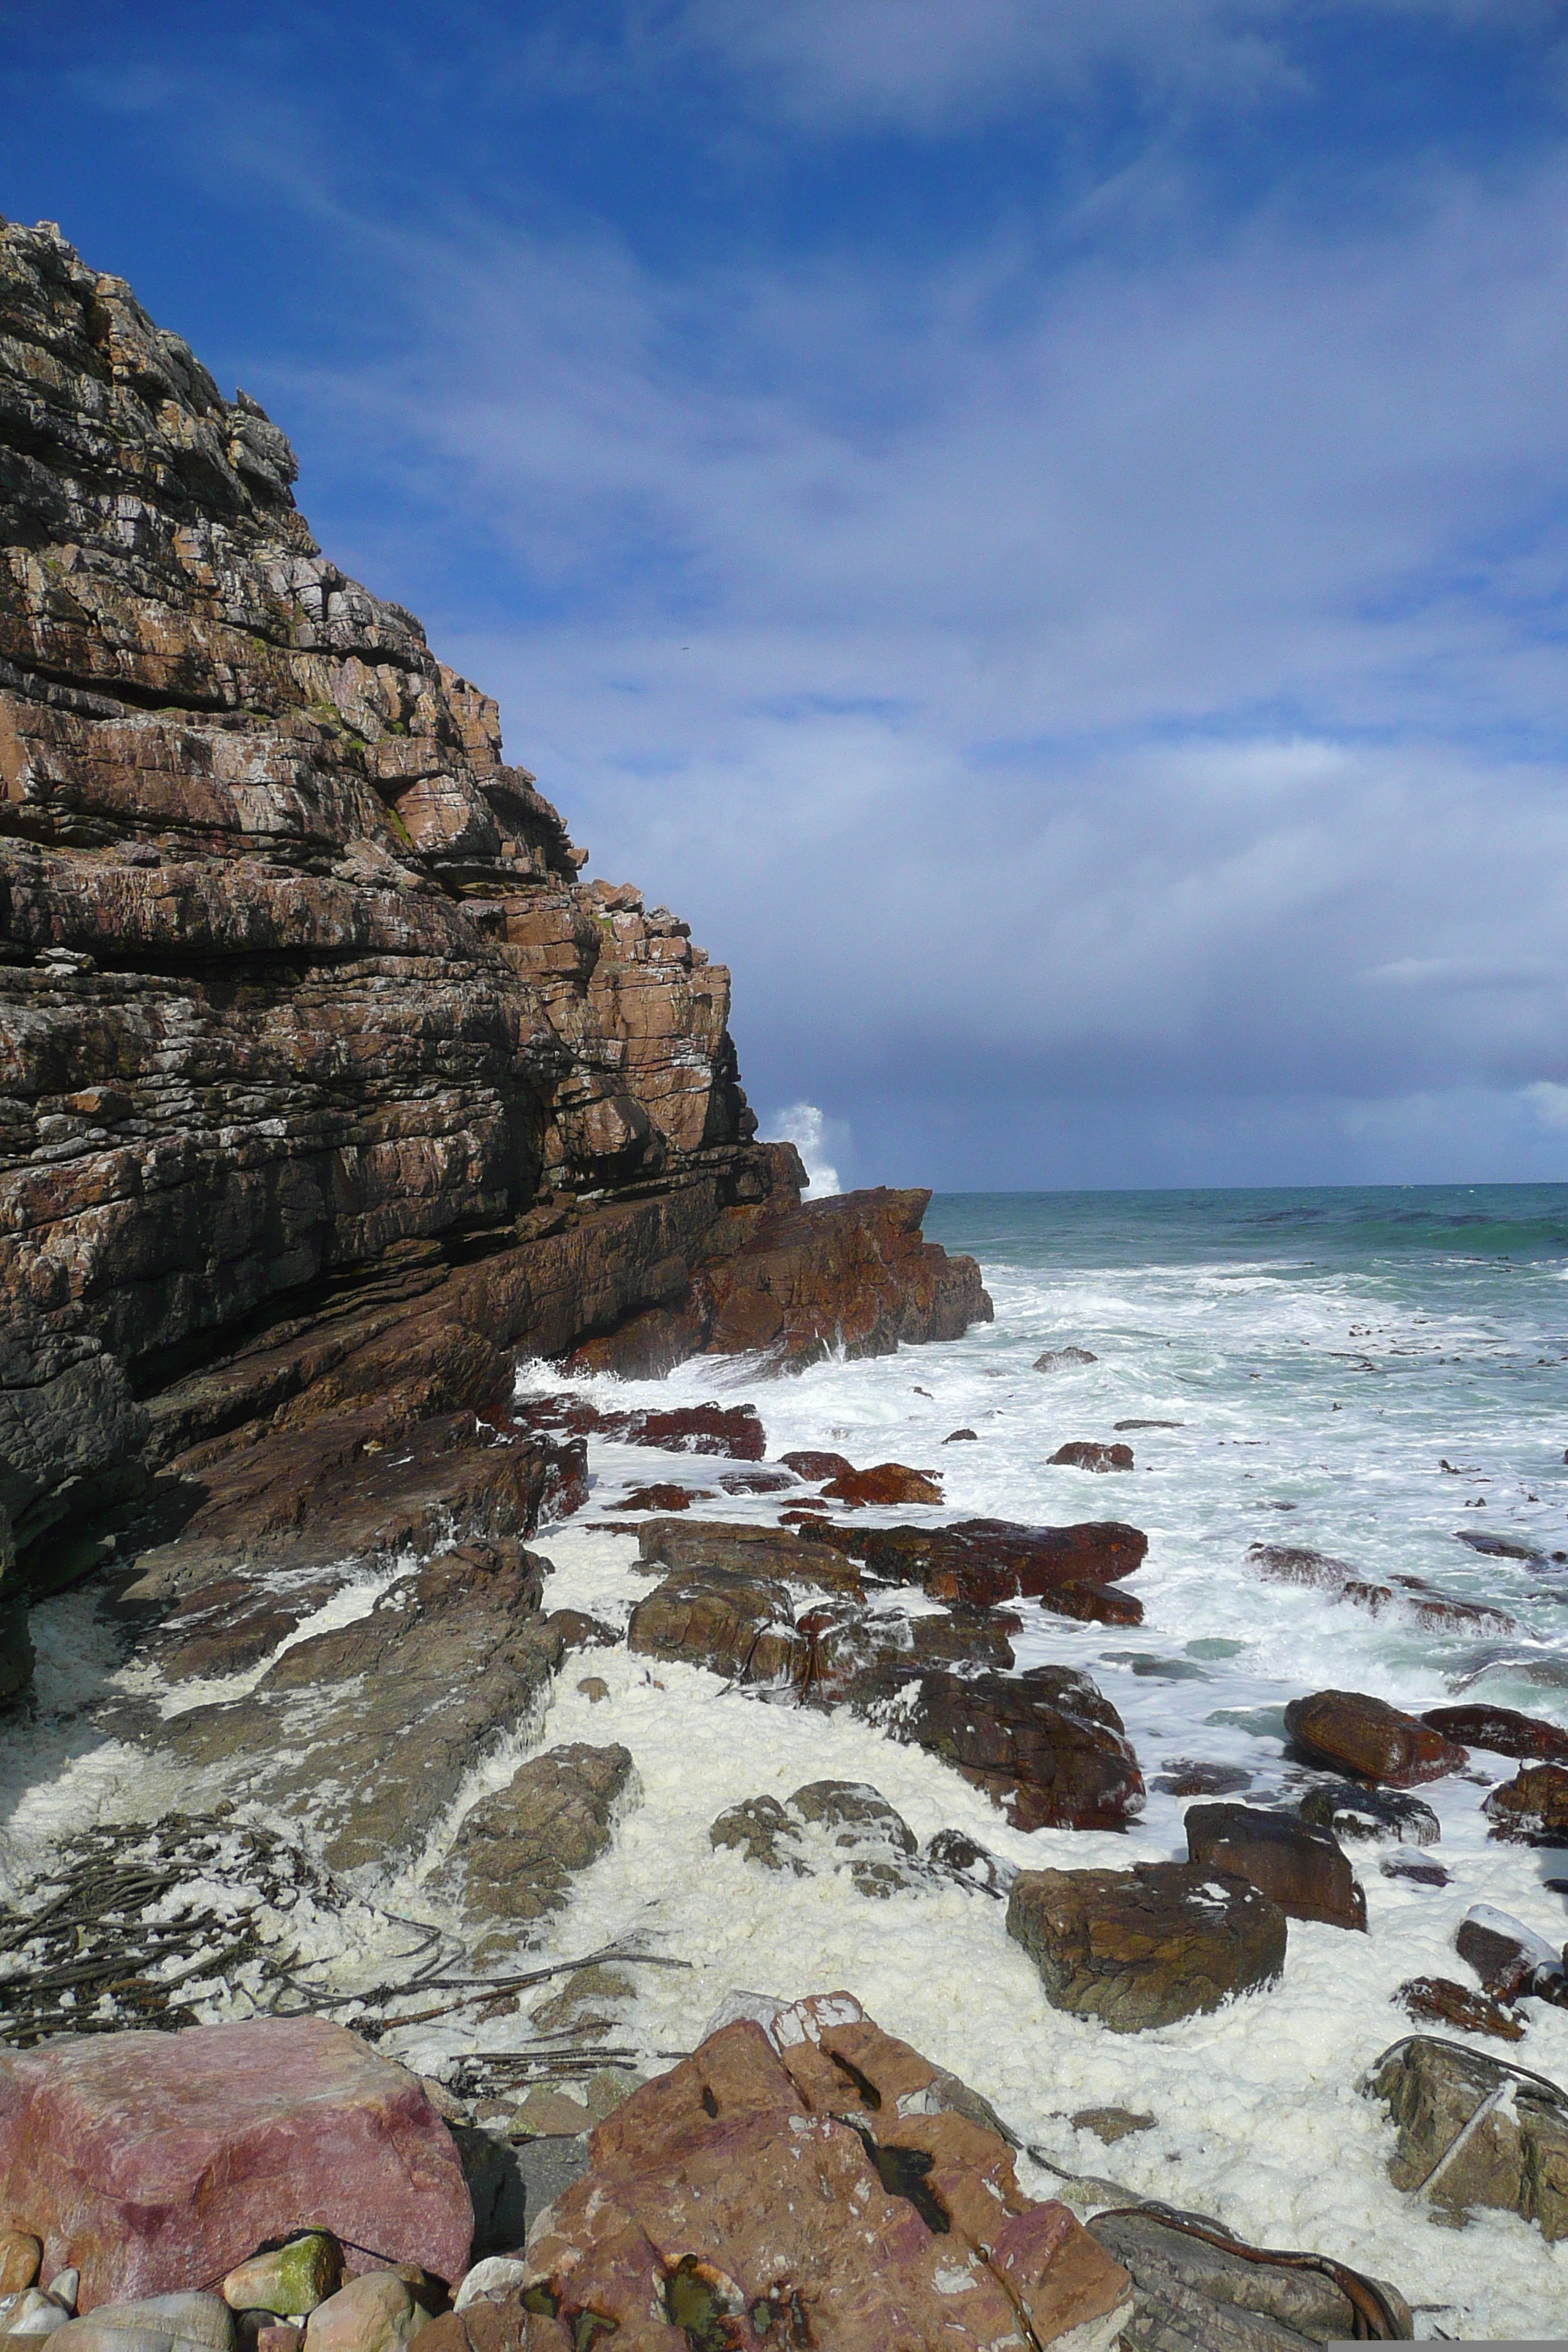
[{"x": 332, "y": 1096}]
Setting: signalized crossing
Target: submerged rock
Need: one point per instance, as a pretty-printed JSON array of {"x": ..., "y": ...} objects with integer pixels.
[
  {"x": 1086, "y": 1454},
  {"x": 1296, "y": 1564},
  {"x": 1302, "y": 1868},
  {"x": 154, "y": 2159},
  {"x": 1353, "y": 1813},
  {"x": 1145, "y": 1947},
  {"x": 1367, "y": 1735},
  {"x": 1062, "y": 1359},
  {"x": 863, "y": 1836}
]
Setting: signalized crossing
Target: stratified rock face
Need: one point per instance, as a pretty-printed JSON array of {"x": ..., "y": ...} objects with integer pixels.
[
  {"x": 146, "y": 2160},
  {"x": 311, "y": 1039},
  {"x": 1145, "y": 1947}
]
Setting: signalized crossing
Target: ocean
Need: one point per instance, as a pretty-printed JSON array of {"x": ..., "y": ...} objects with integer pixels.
[{"x": 1375, "y": 1373}]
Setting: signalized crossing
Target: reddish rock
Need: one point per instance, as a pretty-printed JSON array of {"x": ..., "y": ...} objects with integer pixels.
[
  {"x": 149, "y": 2160},
  {"x": 1145, "y": 1947},
  {"x": 1368, "y": 1737},
  {"x": 744, "y": 1549},
  {"x": 733, "y": 1430},
  {"x": 819, "y": 2181},
  {"x": 1304, "y": 1870},
  {"x": 662, "y": 1497},
  {"x": 1084, "y": 1453},
  {"x": 1532, "y": 1807},
  {"x": 495, "y": 2323},
  {"x": 884, "y": 1485},
  {"x": 1045, "y": 1746},
  {"x": 1060, "y": 1359},
  {"x": 1501, "y": 1729},
  {"x": 1438, "y": 2001},
  {"x": 976, "y": 1563},
  {"x": 1186, "y": 1776},
  {"x": 818, "y": 1466}
]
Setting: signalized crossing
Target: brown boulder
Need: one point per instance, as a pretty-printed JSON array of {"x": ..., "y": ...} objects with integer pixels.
[
  {"x": 743, "y": 1548},
  {"x": 984, "y": 1561},
  {"x": 736, "y": 1430},
  {"x": 1367, "y": 1735},
  {"x": 1148, "y": 1946},
  {"x": 1045, "y": 1746},
  {"x": 1304, "y": 1870},
  {"x": 662, "y": 1497},
  {"x": 1501, "y": 1729},
  {"x": 816, "y": 2183},
  {"x": 1438, "y": 2001},
  {"x": 864, "y": 1655},
  {"x": 885, "y": 1484},
  {"x": 517, "y": 1852},
  {"x": 147, "y": 2160},
  {"x": 816, "y": 1467},
  {"x": 739, "y": 1626},
  {"x": 1510, "y": 1958},
  {"x": 1296, "y": 1564},
  {"x": 1475, "y": 2131},
  {"x": 1084, "y": 1453},
  {"x": 758, "y": 1482},
  {"x": 1532, "y": 1807}
]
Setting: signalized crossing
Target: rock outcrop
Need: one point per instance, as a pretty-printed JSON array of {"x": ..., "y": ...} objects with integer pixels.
[{"x": 326, "y": 1084}]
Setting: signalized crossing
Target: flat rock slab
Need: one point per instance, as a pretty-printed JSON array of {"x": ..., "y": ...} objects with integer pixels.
[
  {"x": 1190, "y": 2292},
  {"x": 365, "y": 1733},
  {"x": 1144, "y": 1947},
  {"x": 1303, "y": 1869},
  {"x": 745, "y": 1550},
  {"x": 1474, "y": 2131},
  {"x": 1366, "y": 1735},
  {"x": 150, "y": 2161}
]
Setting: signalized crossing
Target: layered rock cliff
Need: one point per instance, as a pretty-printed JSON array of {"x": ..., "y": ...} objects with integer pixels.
[{"x": 326, "y": 1085}]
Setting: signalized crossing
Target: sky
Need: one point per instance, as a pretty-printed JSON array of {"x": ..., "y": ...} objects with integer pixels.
[{"x": 1040, "y": 527}]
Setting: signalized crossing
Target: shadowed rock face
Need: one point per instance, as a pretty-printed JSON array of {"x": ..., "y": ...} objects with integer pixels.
[{"x": 311, "y": 1041}]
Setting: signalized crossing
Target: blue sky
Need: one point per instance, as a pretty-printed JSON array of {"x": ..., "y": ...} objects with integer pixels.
[{"x": 1041, "y": 528}]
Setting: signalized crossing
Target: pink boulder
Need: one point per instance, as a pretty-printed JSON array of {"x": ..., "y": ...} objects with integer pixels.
[{"x": 155, "y": 2162}]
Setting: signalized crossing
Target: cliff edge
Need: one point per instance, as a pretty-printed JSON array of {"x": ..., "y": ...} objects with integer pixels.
[{"x": 326, "y": 1086}]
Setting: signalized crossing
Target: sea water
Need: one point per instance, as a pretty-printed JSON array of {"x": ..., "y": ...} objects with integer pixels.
[{"x": 1372, "y": 1373}]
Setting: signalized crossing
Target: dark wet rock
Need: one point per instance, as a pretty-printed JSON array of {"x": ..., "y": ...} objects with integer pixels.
[
  {"x": 1355, "y": 1812},
  {"x": 1499, "y": 1546},
  {"x": 663, "y": 1496},
  {"x": 1190, "y": 2293},
  {"x": 1120, "y": 1426},
  {"x": 863, "y": 1656},
  {"x": 1183, "y": 1776},
  {"x": 367, "y": 1731},
  {"x": 1514, "y": 2159},
  {"x": 1062, "y": 1359},
  {"x": 1510, "y": 1958},
  {"x": 517, "y": 1852},
  {"x": 952, "y": 1854},
  {"x": 231, "y": 1626},
  {"x": 735, "y": 1431},
  {"x": 1149, "y": 1667},
  {"x": 1502, "y": 1730},
  {"x": 961, "y": 1438},
  {"x": 1070, "y": 1570},
  {"x": 882, "y": 1488},
  {"x": 1085, "y": 1454},
  {"x": 1045, "y": 1746},
  {"x": 743, "y": 1548},
  {"x": 1438, "y": 2001},
  {"x": 1145, "y": 1947},
  {"x": 16, "y": 1641},
  {"x": 1532, "y": 1807},
  {"x": 1419, "y": 1872},
  {"x": 355, "y": 1486},
  {"x": 1366, "y": 1735},
  {"x": 739, "y": 1626},
  {"x": 1302, "y": 1868},
  {"x": 816, "y": 1467},
  {"x": 758, "y": 1482},
  {"x": 1298, "y": 1564}
]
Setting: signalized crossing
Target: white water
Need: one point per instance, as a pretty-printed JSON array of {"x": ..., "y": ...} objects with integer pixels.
[{"x": 1259, "y": 2116}]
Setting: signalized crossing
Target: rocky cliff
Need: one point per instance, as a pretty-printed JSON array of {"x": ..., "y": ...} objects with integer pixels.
[{"x": 326, "y": 1086}]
